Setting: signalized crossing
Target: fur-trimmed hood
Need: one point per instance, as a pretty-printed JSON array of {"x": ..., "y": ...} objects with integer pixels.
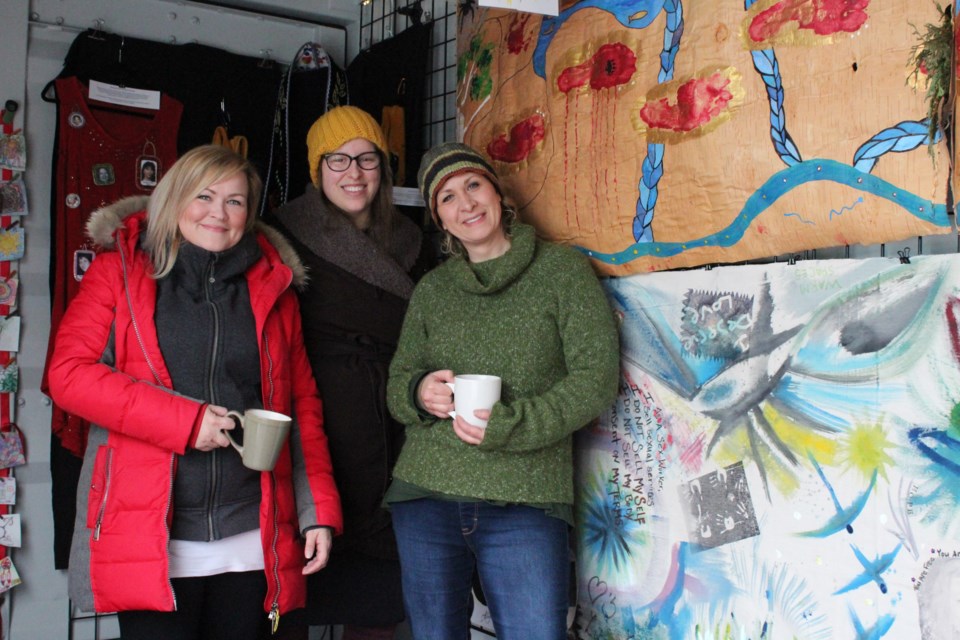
[{"x": 104, "y": 223}]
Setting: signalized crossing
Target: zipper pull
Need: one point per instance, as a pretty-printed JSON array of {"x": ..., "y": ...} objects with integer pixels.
[{"x": 274, "y": 617}]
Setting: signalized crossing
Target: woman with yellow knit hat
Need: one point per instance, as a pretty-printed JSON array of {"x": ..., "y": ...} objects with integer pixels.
[{"x": 363, "y": 258}]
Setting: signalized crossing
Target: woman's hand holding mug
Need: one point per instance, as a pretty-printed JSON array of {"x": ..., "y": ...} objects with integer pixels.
[
  {"x": 470, "y": 433},
  {"x": 478, "y": 395},
  {"x": 434, "y": 395},
  {"x": 473, "y": 397},
  {"x": 212, "y": 426}
]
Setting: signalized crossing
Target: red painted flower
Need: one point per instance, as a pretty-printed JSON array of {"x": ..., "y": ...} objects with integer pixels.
[
  {"x": 516, "y": 42},
  {"x": 612, "y": 65},
  {"x": 524, "y": 138},
  {"x": 699, "y": 100},
  {"x": 953, "y": 325},
  {"x": 823, "y": 17}
]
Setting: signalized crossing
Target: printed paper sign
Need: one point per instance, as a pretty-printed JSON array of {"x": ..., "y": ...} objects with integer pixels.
[{"x": 546, "y": 7}]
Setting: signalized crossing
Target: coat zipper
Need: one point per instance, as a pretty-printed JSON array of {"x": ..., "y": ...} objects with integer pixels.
[
  {"x": 166, "y": 526},
  {"x": 212, "y": 393},
  {"x": 274, "y": 615},
  {"x": 108, "y": 470},
  {"x": 133, "y": 317},
  {"x": 270, "y": 391}
]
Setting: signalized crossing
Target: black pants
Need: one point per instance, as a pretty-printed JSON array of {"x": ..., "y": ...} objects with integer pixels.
[{"x": 228, "y": 606}]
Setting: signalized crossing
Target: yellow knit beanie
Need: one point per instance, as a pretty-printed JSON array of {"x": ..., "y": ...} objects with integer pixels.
[{"x": 336, "y": 127}]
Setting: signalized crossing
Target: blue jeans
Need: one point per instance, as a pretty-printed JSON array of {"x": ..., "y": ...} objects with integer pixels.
[{"x": 520, "y": 553}]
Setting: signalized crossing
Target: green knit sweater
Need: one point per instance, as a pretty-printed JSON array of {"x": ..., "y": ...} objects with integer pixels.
[{"x": 537, "y": 317}]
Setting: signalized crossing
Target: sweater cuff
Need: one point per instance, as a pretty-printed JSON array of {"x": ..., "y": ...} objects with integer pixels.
[
  {"x": 195, "y": 432},
  {"x": 422, "y": 413},
  {"x": 333, "y": 530}
]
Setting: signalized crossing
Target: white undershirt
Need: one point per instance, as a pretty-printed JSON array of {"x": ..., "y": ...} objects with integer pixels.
[{"x": 191, "y": 559}]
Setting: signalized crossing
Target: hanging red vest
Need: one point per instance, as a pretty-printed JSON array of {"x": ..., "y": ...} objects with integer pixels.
[{"x": 104, "y": 153}]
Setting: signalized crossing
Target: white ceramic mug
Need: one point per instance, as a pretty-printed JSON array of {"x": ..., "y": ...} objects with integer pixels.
[
  {"x": 264, "y": 433},
  {"x": 472, "y": 392}
]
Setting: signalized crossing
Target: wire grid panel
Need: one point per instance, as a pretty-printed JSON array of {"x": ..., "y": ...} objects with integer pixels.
[{"x": 380, "y": 20}]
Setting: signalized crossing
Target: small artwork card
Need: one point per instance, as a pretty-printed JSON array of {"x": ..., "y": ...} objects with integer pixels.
[
  {"x": 9, "y": 379},
  {"x": 11, "y": 448},
  {"x": 10, "y": 333},
  {"x": 720, "y": 508},
  {"x": 10, "y": 530},
  {"x": 8, "y": 292},
  {"x": 9, "y": 578},
  {"x": 11, "y": 243},
  {"x": 13, "y": 151},
  {"x": 8, "y": 490},
  {"x": 13, "y": 197}
]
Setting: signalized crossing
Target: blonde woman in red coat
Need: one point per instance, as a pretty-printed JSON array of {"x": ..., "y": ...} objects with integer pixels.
[{"x": 188, "y": 311}]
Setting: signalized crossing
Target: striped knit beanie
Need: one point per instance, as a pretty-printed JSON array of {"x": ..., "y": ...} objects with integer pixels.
[
  {"x": 337, "y": 127},
  {"x": 444, "y": 161}
]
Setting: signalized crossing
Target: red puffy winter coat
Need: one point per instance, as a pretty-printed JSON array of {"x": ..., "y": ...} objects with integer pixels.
[{"x": 124, "y": 510}]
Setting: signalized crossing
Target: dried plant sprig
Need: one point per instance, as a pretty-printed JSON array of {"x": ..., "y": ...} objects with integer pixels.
[{"x": 932, "y": 56}]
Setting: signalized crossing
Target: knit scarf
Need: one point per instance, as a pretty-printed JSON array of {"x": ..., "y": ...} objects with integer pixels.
[{"x": 332, "y": 237}]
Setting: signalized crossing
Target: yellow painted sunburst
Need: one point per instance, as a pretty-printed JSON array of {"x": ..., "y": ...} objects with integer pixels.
[
  {"x": 9, "y": 244},
  {"x": 866, "y": 447}
]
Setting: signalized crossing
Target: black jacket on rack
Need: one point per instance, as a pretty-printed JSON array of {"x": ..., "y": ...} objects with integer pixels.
[
  {"x": 216, "y": 87},
  {"x": 393, "y": 73}
]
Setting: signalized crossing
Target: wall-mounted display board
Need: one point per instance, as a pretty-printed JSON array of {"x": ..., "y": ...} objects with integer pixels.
[
  {"x": 656, "y": 134},
  {"x": 783, "y": 460}
]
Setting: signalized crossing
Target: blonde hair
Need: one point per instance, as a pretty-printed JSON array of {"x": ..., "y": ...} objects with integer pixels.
[{"x": 196, "y": 170}]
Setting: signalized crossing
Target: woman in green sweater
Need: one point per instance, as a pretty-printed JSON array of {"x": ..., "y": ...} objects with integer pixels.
[{"x": 496, "y": 499}]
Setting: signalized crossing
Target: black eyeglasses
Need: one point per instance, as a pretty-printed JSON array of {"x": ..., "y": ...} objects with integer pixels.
[{"x": 340, "y": 162}]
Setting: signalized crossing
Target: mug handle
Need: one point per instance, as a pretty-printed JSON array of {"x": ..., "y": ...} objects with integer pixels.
[
  {"x": 452, "y": 414},
  {"x": 238, "y": 418}
]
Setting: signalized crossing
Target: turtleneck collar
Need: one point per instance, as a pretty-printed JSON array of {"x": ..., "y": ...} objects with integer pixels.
[
  {"x": 491, "y": 276},
  {"x": 195, "y": 265}
]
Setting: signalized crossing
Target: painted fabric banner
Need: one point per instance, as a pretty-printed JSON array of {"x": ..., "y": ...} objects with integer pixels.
[
  {"x": 656, "y": 134},
  {"x": 783, "y": 460}
]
